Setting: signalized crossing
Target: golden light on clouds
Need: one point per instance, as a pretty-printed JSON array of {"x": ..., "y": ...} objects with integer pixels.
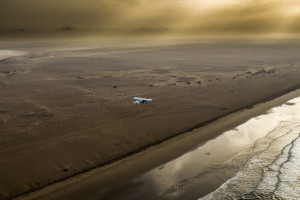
[
  {"x": 210, "y": 4},
  {"x": 130, "y": 17}
]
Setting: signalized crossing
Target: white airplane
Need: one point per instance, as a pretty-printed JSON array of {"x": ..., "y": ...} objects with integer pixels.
[{"x": 139, "y": 100}]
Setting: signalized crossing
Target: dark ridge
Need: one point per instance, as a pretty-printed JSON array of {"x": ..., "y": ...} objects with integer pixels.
[{"x": 66, "y": 28}]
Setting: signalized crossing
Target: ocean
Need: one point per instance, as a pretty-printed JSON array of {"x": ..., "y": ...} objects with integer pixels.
[{"x": 270, "y": 168}]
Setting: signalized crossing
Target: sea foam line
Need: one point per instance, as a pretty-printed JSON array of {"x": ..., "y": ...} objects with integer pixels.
[{"x": 267, "y": 172}]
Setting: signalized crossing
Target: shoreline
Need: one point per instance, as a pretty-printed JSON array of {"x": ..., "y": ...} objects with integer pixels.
[
  {"x": 268, "y": 167},
  {"x": 216, "y": 126}
]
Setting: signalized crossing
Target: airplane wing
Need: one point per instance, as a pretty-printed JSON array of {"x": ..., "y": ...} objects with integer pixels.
[
  {"x": 144, "y": 99},
  {"x": 147, "y": 99}
]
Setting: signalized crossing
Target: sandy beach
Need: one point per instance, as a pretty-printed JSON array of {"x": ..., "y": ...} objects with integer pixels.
[
  {"x": 181, "y": 167},
  {"x": 64, "y": 113}
]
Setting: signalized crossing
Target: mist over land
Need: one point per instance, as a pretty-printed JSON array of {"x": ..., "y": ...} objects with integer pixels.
[{"x": 129, "y": 18}]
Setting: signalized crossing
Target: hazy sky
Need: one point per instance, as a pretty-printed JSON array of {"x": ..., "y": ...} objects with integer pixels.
[{"x": 153, "y": 16}]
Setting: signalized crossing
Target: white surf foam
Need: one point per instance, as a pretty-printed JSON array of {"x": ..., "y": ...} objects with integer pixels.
[{"x": 272, "y": 168}]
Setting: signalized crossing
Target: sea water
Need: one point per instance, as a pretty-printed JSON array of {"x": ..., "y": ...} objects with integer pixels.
[{"x": 271, "y": 166}]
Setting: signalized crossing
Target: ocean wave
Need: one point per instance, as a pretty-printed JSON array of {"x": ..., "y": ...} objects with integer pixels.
[{"x": 270, "y": 169}]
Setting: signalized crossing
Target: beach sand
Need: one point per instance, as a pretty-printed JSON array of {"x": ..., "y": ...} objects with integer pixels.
[
  {"x": 180, "y": 168},
  {"x": 63, "y": 113}
]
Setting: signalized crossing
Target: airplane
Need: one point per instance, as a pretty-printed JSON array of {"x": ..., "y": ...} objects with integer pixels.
[{"x": 139, "y": 100}]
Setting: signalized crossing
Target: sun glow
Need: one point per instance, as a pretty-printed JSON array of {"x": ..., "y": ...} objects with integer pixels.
[{"x": 211, "y": 3}]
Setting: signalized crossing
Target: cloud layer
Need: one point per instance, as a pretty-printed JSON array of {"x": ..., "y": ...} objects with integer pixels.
[{"x": 153, "y": 16}]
